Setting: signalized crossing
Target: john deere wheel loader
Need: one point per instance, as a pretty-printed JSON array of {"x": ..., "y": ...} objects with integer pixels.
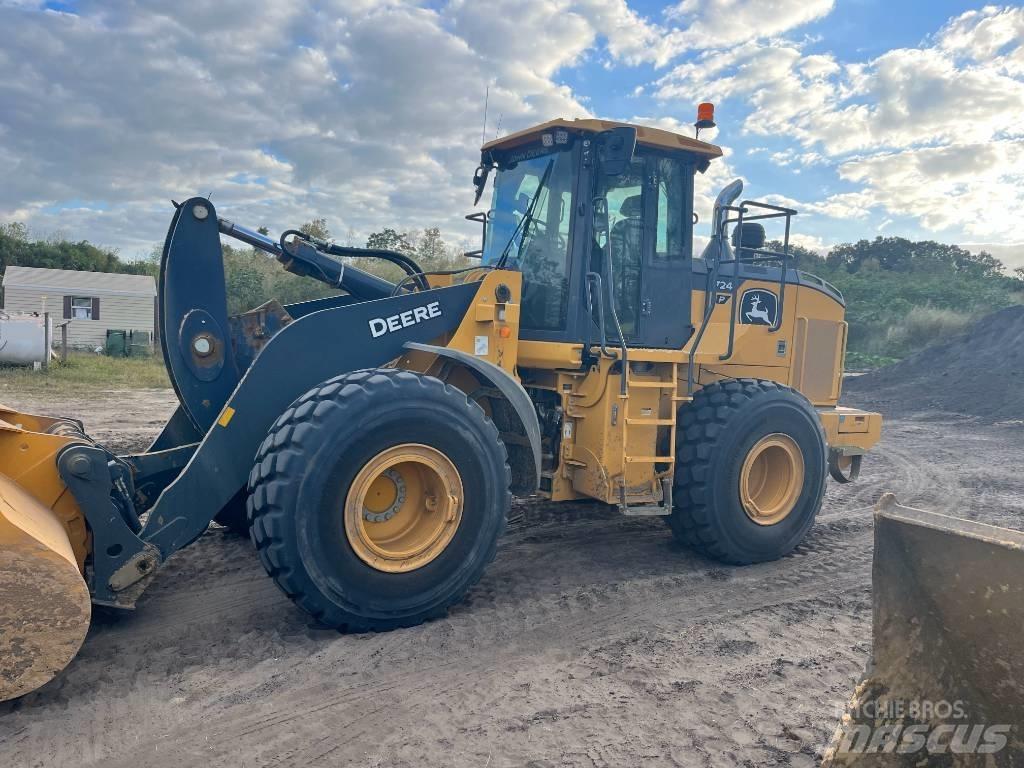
[{"x": 370, "y": 442}]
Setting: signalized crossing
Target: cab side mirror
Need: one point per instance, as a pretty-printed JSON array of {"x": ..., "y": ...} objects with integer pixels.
[{"x": 615, "y": 149}]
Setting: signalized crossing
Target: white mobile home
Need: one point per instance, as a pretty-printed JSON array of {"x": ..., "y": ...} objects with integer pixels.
[{"x": 93, "y": 302}]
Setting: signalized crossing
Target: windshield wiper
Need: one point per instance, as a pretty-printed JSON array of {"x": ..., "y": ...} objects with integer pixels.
[{"x": 524, "y": 223}]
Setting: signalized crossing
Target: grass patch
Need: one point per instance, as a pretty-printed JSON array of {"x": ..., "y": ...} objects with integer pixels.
[
  {"x": 895, "y": 337},
  {"x": 926, "y": 325},
  {"x": 864, "y": 361},
  {"x": 86, "y": 371}
]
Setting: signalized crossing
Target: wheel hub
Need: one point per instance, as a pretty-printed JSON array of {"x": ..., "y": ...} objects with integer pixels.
[
  {"x": 387, "y": 491},
  {"x": 403, "y": 507},
  {"x": 771, "y": 479}
]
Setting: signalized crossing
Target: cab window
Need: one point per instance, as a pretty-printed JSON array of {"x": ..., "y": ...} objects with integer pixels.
[
  {"x": 625, "y": 196},
  {"x": 528, "y": 229},
  {"x": 670, "y": 229}
]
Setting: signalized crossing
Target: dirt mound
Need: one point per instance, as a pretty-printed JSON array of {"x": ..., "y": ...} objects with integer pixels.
[{"x": 980, "y": 373}]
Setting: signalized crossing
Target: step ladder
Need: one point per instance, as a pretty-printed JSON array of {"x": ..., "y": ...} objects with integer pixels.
[{"x": 666, "y": 384}]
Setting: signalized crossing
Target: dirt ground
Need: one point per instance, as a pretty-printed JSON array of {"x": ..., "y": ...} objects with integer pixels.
[{"x": 593, "y": 639}]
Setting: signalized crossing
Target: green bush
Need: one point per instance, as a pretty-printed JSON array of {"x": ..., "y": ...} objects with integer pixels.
[
  {"x": 925, "y": 325},
  {"x": 903, "y": 295},
  {"x": 864, "y": 361}
]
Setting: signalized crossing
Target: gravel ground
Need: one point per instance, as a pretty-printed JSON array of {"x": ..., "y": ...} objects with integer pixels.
[{"x": 592, "y": 640}]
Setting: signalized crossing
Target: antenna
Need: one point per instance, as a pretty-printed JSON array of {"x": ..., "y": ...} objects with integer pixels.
[
  {"x": 483, "y": 131},
  {"x": 497, "y": 130}
]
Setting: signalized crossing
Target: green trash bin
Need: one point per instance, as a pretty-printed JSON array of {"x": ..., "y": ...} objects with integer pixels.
[
  {"x": 116, "y": 344},
  {"x": 140, "y": 344}
]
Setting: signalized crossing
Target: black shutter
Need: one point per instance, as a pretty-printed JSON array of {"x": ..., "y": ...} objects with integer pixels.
[
  {"x": 95, "y": 309},
  {"x": 67, "y": 307}
]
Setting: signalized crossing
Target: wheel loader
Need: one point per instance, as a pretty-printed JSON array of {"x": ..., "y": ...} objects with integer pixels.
[{"x": 370, "y": 442}]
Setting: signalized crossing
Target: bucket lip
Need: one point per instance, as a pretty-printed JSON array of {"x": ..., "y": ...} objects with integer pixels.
[{"x": 889, "y": 508}]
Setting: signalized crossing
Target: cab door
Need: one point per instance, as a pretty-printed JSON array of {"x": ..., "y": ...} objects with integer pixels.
[
  {"x": 666, "y": 272},
  {"x": 650, "y": 226}
]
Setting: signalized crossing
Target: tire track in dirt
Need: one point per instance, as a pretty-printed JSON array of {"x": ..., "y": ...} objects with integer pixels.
[
  {"x": 830, "y": 557},
  {"x": 219, "y": 668}
]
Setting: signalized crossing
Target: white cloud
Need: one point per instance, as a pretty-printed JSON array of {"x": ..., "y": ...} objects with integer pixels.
[
  {"x": 790, "y": 158},
  {"x": 983, "y": 35},
  {"x": 845, "y": 205},
  {"x": 811, "y": 242},
  {"x": 630, "y": 37},
  {"x": 907, "y": 96},
  {"x": 373, "y": 121},
  {"x": 1011, "y": 254},
  {"x": 933, "y": 133},
  {"x": 366, "y": 112},
  {"x": 721, "y": 23},
  {"x": 964, "y": 186}
]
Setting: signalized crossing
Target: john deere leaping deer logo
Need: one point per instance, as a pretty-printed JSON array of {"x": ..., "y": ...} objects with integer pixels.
[{"x": 759, "y": 307}]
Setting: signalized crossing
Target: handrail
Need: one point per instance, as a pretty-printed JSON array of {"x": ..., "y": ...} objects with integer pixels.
[
  {"x": 595, "y": 279},
  {"x": 759, "y": 254},
  {"x": 710, "y": 299},
  {"x": 743, "y": 255}
]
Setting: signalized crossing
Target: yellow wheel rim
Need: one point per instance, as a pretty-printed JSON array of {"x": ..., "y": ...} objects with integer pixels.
[
  {"x": 771, "y": 479},
  {"x": 403, "y": 508}
]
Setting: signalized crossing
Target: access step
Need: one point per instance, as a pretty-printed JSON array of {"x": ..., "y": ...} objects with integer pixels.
[{"x": 645, "y": 510}]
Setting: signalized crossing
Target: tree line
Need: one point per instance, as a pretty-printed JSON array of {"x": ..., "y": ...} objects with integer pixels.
[
  {"x": 901, "y": 294},
  {"x": 251, "y": 276}
]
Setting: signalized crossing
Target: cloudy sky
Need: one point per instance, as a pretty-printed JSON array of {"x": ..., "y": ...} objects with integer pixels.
[{"x": 871, "y": 117}]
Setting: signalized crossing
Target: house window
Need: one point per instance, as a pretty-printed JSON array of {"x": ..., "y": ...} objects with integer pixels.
[{"x": 81, "y": 307}]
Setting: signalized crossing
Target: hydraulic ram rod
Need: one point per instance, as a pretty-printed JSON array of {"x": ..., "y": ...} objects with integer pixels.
[{"x": 306, "y": 260}]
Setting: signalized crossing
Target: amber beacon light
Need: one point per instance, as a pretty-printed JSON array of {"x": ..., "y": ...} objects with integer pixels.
[{"x": 705, "y": 116}]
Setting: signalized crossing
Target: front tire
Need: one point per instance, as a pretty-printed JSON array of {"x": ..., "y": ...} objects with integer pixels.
[
  {"x": 750, "y": 471},
  {"x": 377, "y": 499}
]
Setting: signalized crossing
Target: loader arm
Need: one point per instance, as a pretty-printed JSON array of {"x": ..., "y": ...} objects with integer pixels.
[
  {"x": 231, "y": 392},
  {"x": 307, "y": 352}
]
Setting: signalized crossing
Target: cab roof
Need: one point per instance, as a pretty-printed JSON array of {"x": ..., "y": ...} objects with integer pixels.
[{"x": 652, "y": 137}]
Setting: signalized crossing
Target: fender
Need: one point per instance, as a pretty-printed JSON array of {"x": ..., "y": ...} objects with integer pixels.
[{"x": 525, "y": 459}]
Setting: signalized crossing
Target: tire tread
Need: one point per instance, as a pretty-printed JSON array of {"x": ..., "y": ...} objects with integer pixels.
[
  {"x": 277, "y": 471},
  {"x": 700, "y": 422}
]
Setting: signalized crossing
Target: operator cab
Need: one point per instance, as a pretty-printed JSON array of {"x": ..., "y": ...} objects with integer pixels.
[{"x": 598, "y": 217}]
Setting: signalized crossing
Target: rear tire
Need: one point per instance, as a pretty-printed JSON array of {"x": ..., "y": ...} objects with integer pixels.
[
  {"x": 316, "y": 456},
  {"x": 720, "y": 435}
]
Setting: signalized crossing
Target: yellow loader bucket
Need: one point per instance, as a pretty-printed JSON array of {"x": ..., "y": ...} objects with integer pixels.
[
  {"x": 44, "y": 601},
  {"x": 945, "y": 685}
]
